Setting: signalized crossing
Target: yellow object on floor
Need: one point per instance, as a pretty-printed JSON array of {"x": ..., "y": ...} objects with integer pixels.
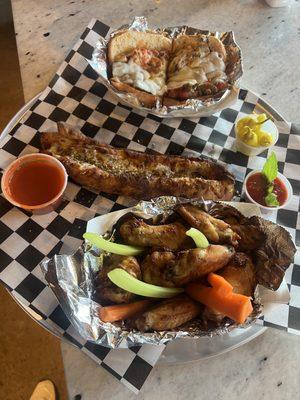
[{"x": 44, "y": 390}]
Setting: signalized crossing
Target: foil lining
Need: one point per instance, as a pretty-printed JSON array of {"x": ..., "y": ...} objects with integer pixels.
[
  {"x": 72, "y": 278},
  {"x": 192, "y": 107}
]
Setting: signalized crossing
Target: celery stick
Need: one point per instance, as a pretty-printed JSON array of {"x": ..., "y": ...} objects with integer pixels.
[
  {"x": 111, "y": 247},
  {"x": 127, "y": 282},
  {"x": 198, "y": 237}
]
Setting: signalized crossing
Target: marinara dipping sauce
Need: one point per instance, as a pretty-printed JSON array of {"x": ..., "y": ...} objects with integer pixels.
[
  {"x": 257, "y": 184},
  {"x": 35, "y": 182}
]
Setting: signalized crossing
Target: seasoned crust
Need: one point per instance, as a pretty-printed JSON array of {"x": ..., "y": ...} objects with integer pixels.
[
  {"x": 146, "y": 99},
  {"x": 131, "y": 173}
]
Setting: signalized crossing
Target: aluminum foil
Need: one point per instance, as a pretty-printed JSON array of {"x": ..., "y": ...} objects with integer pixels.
[
  {"x": 72, "y": 278},
  {"x": 192, "y": 107}
]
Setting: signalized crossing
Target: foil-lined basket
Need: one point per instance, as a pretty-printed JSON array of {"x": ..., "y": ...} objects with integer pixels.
[
  {"x": 72, "y": 278},
  {"x": 192, "y": 107}
]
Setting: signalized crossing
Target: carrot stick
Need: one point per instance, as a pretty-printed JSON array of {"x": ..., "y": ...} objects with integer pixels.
[
  {"x": 221, "y": 298},
  {"x": 218, "y": 282},
  {"x": 123, "y": 311}
]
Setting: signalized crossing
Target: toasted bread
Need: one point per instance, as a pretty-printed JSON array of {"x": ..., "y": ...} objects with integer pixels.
[
  {"x": 127, "y": 41},
  {"x": 146, "y": 99},
  {"x": 101, "y": 167}
]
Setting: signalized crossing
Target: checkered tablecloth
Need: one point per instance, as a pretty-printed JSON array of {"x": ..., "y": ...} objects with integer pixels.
[{"x": 76, "y": 96}]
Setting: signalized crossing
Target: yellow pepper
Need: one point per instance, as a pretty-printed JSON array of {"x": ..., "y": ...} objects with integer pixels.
[
  {"x": 265, "y": 139},
  {"x": 249, "y": 137},
  {"x": 250, "y": 131}
]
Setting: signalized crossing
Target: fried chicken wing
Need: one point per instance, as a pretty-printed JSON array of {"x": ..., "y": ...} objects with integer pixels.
[
  {"x": 250, "y": 236},
  {"x": 106, "y": 290},
  {"x": 168, "y": 314},
  {"x": 216, "y": 230},
  {"x": 137, "y": 232},
  {"x": 269, "y": 245},
  {"x": 240, "y": 273},
  {"x": 174, "y": 270}
]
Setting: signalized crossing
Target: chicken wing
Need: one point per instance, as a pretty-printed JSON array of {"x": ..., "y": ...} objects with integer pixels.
[
  {"x": 240, "y": 273},
  {"x": 250, "y": 236},
  {"x": 216, "y": 230},
  {"x": 105, "y": 289},
  {"x": 137, "y": 232},
  {"x": 168, "y": 314},
  {"x": 175, "y": 270}
]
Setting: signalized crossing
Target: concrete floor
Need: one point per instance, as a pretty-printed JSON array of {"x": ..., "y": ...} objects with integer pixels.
[
  {"x": 28, "y": 353},
  {"x": 10, "y": 79}
]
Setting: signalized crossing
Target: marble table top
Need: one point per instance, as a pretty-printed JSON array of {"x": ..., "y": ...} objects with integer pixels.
[
  {"x": 269, "y": 37},
  {"x": 268, "y": 367}
]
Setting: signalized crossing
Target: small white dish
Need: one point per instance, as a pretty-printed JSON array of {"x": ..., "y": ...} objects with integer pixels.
[
  {"x": 265, "y": 208},
  {"x": 251, "y": 151}
]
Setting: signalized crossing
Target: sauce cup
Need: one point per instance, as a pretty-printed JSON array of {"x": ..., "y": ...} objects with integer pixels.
[
  {"x": 51, "y": 203},
  {"x": 266, "y": 209},
  {"x": 248, "y": 150}
]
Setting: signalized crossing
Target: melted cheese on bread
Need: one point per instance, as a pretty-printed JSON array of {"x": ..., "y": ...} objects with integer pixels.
[
  {"x": 134, "y": 75},
  {"x": 199, "y": 70}
]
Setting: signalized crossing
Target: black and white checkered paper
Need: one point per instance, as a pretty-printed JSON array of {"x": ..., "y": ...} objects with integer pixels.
[{"x": 75, "y": 95}]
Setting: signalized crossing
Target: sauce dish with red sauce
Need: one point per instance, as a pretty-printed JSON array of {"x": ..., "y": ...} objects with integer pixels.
[
  {"x": 35, "y": 182},
  {"x": 255, "y": 187}
]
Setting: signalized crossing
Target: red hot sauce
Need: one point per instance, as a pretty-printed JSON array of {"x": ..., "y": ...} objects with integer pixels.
[{"x": 257, "y": 188}]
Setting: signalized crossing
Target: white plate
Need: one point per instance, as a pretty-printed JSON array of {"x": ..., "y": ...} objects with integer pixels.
[
  {"x": 189, "y": 350},
  {"x": 180, "y": 351},
  {"x": 16, "y": 118}
]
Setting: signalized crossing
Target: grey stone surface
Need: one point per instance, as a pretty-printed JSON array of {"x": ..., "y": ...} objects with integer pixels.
[
  {"x": 269, "y": 37},
  {"x": 268, "y": 367},
  {"x": 264, "y": 369}
]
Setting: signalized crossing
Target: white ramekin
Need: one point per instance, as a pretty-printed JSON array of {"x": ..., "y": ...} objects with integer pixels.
[
  {"x": 286, "y": 184},
  {"x": 244, "y": 148},
  {"x": 53, "y": 203}
]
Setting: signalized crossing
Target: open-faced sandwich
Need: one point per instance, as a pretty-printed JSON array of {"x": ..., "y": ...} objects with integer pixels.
[
  {"x": 198, "y": 264},
  {"x": 155, "y": 67},
  {"x": 138, "y": 62},
  {"x": 197, "y": 68}
]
